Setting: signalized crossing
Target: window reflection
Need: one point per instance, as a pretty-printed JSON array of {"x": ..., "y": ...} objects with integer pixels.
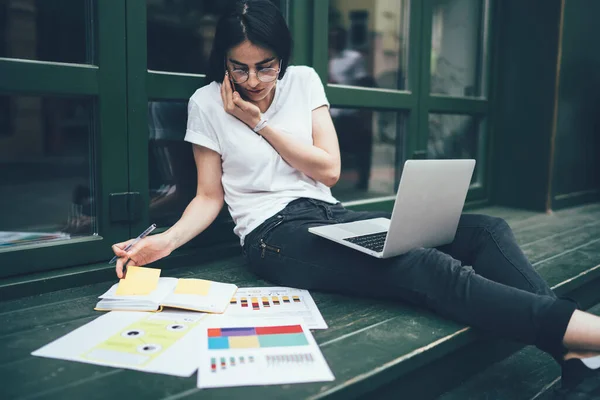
[
  {"x": 180, "y": 33},
  {"x": 371, "y": 146},
  {"x": 455, "y": 136},
  {"x": 457, "y": 47},
  {"x": 46, "y": 190},
  {"x": 368, "y": 43},
  {"x": 172, "y": 170},
  {"x": 44, "y": 30}
]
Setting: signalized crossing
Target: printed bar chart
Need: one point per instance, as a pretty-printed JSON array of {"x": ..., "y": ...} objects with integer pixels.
[
  {"x": 239, "y": 361},
  {"x": 278, "y": 351},
  {"x": 258, "y": 337}
]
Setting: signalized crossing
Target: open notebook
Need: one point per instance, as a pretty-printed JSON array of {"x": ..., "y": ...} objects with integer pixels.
[{"x": 144, "y": 290}]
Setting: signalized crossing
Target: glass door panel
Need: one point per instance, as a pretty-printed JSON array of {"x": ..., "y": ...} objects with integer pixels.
[
  {"x": 56, "y": 30},
  {"x": 458, "y": 46},
  {"x": 368, "y": 43},
  {"x": 46, "y": 169},
  {"x": 63, "y": 130}
]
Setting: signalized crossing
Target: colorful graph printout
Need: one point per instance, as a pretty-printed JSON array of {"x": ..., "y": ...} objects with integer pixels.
[
  {"x": 278, "y": 351},
  {"x": 159, "y": 343},
  {"x": 278, "y": 302},
  {"x": 259, "y": 337}
]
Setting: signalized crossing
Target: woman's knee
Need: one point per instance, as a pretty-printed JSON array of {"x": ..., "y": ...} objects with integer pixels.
[
  {"x": 425, "y": 267},
  {"x": 430, "y": 276}
]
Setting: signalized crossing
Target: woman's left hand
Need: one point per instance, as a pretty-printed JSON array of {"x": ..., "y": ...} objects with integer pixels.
[{"x": 233, "y": 104}]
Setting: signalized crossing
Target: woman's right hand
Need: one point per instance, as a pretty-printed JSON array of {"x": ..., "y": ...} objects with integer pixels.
[
  {"x": 234, "y": 105},
  {"x": 146, "y": 251}
]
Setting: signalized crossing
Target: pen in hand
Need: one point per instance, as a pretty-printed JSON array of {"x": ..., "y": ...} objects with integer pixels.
[{"x": 137, "y": 239}]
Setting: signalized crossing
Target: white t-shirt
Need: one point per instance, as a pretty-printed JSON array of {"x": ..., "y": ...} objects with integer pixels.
[{"x": 256, "y": 180}]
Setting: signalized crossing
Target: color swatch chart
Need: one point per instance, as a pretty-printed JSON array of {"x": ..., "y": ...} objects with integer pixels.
[
  {"x": 265, "y": 301},
  {"x": 259, "y": 337},
  {"x": 223, "y": 363},
  {"x": 278, "y": 351},
  {"x": 276, "y": 302}
]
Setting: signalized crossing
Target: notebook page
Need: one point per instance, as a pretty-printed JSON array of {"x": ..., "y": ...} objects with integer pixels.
[
  {"x": 201, "y": 295},
  {"x": 163, "y": 288}
]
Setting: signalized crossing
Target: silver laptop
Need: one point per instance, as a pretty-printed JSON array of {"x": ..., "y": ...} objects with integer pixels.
[{"x": 429, "y": 202}]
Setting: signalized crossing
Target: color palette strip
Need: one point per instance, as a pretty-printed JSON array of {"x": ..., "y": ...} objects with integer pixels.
[
  {"x": 256, "y": 337},
  {"x": 241, "y": 360},
  {"x": 264, "y": 301}
]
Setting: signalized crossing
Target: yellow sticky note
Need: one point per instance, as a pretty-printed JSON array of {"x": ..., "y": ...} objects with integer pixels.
[
  {"x": 192, "y": 286},
  {"x": 138, "y": 281}
]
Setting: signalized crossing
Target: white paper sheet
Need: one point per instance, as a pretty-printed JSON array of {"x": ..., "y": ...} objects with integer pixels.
[
  {"x": 278, "y": 302},
  {"x": 163, "y": 343},
  {"x": 269, "y": 351}
]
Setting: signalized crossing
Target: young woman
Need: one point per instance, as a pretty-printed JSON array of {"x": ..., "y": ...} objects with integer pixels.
[{"x": 264, "y": 143}]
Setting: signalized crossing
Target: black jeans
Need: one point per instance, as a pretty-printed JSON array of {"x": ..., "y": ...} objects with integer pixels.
[{"x": 482, "y": 278}]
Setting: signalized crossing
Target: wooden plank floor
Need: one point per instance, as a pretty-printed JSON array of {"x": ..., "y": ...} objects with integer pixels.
[
  {"x": 369, "y": 342},
  {"x": 526, "y": 375}
]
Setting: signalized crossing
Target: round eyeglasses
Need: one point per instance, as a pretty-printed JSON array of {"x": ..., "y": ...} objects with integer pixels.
[{"x": 263, "y": 74}]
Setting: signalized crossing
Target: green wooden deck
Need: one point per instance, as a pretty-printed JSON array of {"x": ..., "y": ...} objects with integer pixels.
[{"x": 375, "y": 348}]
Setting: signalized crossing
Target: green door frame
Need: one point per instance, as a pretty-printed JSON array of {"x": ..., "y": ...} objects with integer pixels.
[{"x": 104, "y": 82}]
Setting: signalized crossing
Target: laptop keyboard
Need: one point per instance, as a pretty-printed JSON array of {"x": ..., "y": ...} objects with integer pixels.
[{"x": 373, "y": 241}]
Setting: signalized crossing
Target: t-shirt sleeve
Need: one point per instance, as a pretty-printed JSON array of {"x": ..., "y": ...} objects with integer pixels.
[
  {"x": 199, "y": 129},
  {"x": 317, "y": 91}
]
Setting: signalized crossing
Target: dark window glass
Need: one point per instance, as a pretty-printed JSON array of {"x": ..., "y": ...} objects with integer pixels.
[
  {"x": 456, "y": 136},
  {"x": 180, "y": 33},
  {"x": 46, "y": 30},
  {"x": 172, "y": 170},
  {"x": 46, "y": 184}
]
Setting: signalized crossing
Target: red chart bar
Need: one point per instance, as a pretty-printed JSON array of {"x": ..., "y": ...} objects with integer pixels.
[
  {"x": 214, "y": 332},
  {"x": 271, "y": 330}
]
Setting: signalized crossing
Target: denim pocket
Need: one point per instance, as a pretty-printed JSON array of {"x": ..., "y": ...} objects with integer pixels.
[{"x": 265, "y": 232}]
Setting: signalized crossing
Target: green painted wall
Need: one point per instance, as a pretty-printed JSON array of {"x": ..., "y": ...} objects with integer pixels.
[
  {"x": 576, "y": 172},
  {"x": 528, "y": 33}
]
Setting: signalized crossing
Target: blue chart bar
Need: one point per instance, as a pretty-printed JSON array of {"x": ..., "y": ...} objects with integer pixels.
[{"x": 217, "y": 343}]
